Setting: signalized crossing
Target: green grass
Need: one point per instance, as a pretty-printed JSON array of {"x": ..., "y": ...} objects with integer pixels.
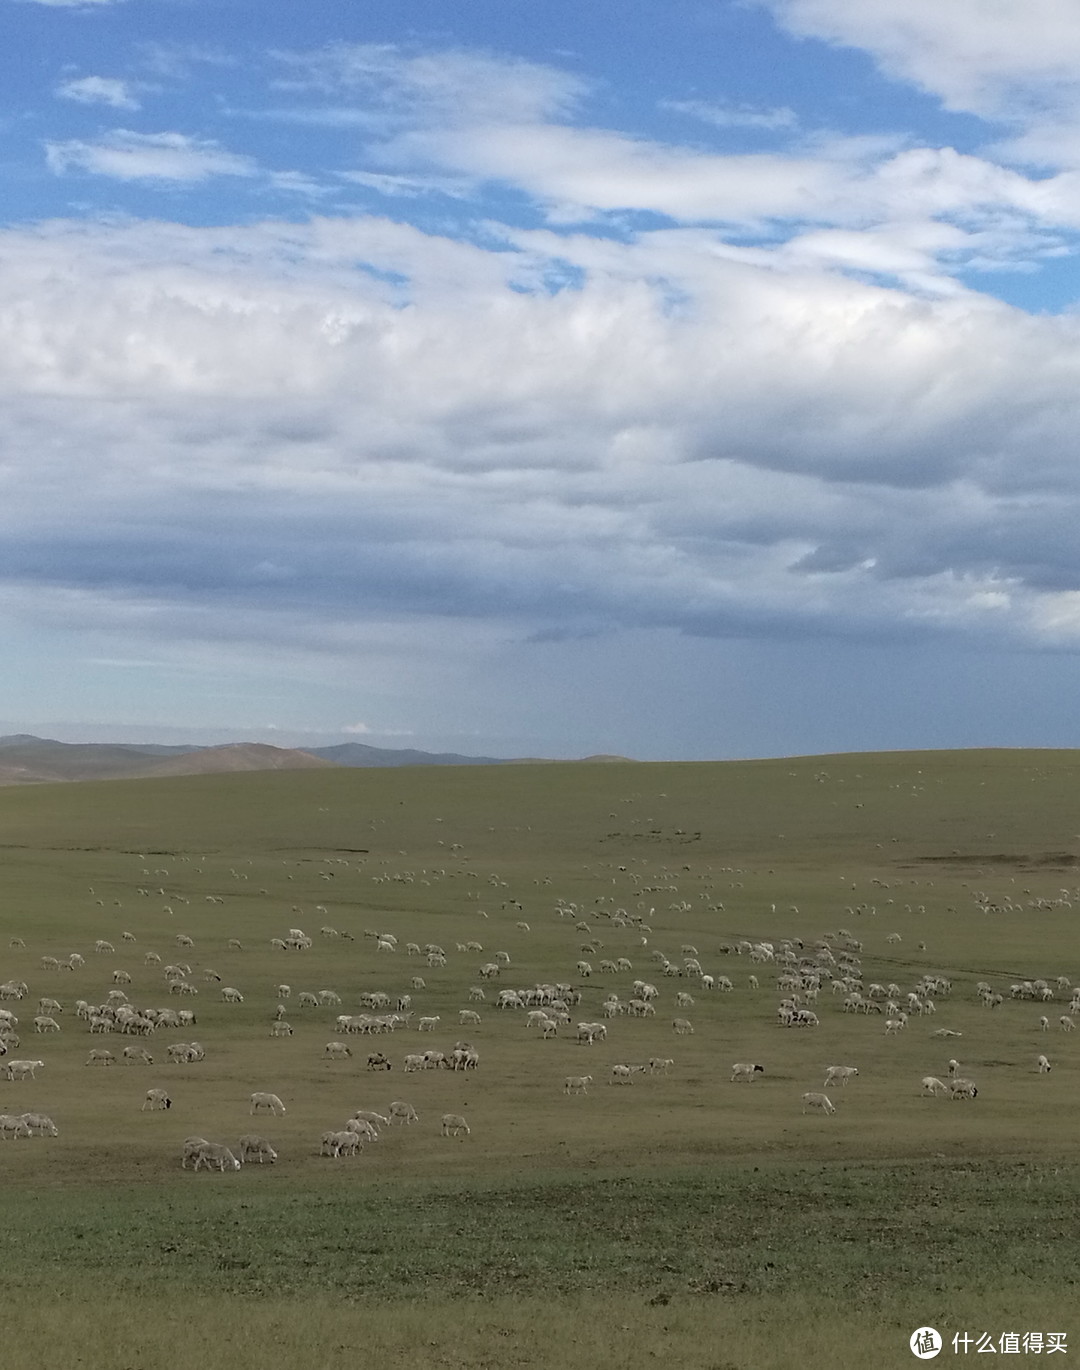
[{"x": 681, "y": 1216}]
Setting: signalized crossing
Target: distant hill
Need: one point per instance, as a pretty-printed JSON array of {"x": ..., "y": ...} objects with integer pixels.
[
  {"x": 29, "y": 760},
  {"x": 359, "y": 754}
]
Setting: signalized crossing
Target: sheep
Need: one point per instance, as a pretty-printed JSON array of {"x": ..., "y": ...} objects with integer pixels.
[
  {"x": 377, "y": 1061},
  {"x": 100, "y": 1057},
  {"x": 336, "y": 1050},
  {"x": 280, "y": 1028},
  {"x": 932, "y": 1085},
  {"x": 45, "y": 1024},
  {"x": 254, "y": 1146},
  {"x": 962, "y": 1089},
  {"x": 742, "y": 1070},
  {"x": 132, "y": 1054},
  {"x": 839, "y": 1074},
  {"x": 231, "y": 995},
  {"x": 413, "y": 1062},
  {"x": 13, "y": 1126},
  {"x": 363, "y": 1129},
  {"x": 468, "y": 1017},
  {"x": 577, "y": 1084},
  {"x": 1043, "y": 1064},
  {"x": 820, "y": 1101},
  {"x": 1066, "y": 1023},
  {"x": 40, "y": 1125},
  {"x": 307, "y": 1000},
  {"x": 624, "y": 1075},
  {"x": 660, "y": 1065},
  {"x": 1044, "y": 1024},
  {"x": 270, "y": 1101},
  {"x": 344, "y": 1143},
  {"x": 23, "y": 1070},
  {"x": 428, "y": 1024},
  {"x": 400, "y": 1111},
  {"x": 215, "y": 1155},
  {"x": 191, "y": 1147},
  {"x": 682, "y": 1026},
  {"x": 453, "y": 1125},
  {"x": 367, "y": 1115},
  {"x": 156, "y": 1099}
]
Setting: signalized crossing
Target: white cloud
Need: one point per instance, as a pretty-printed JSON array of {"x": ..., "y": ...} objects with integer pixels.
[
  {"x": 1018, "y": 64},
  {"x": 359, "y": 729},
  {"x": 268, "y": 447},
  {"x": 129, "y": 156},
  {"x": 73, "y": 4},
  {"x": 99, "y": 90},
  {"x": 735, "y": 116}
]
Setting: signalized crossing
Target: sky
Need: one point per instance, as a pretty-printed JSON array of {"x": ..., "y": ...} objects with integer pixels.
[{"x": 682, "y": 380}]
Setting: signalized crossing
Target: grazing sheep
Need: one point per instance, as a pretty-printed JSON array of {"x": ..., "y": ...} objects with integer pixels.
[
  {"x": 624, "y": 1075},
  {"x": 660, "y": 1065},
  {"x": 344, "y": 1143},
  {"x": 156, "y": 1099},
  {"x": 363, "y": 1129},
  {"x": 257, "y": 1148},
  {"x": 100, "y": 1057},
  {"x": 428, "y": 1024},
  {"x": 402, "y": 1112},
  {"x": 1044, "y": 1065},
  {"x": 132, "y": 1054},
  {"x": 1066, "y": 1023},
  {"x": 269, "y": 1101},
  {"x": 743, "y": 1070},
  {"x": 45, "y": 1024},
  {"x": 40, "y": 1125},
  {"x": 337, "y": 1050},
  {"x": 962, "y": 1089},
  {"x": 468, "y": 1017},
  {"x": 577, "y": 1084},
  {"x": 1044, "y": 1024},
  {"x": 231, "y": 995},
  {"x": 453, "y": 1125},
  {"x": 932, "y": 1085},
  {"x": 682, "y": 1026},
  {"x": 367, "y": 1115},
  {"x": 839, "y": 1074},
  {"x": 819, "y": 1101},
  {"x": 191, "y": 1147},
  {"x": 377, "y": 1061},
  {"x": 281, "y": 1029},
  {"x": 213, "y": 1155},
  {"x": 11, "y": 1126}
]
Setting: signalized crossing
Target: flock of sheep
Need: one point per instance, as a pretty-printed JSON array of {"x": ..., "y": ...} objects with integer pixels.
[{"x": 824, "y": 977}]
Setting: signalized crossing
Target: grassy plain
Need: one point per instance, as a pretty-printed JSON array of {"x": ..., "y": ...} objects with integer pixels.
[{"x": 682, "y": 1217}]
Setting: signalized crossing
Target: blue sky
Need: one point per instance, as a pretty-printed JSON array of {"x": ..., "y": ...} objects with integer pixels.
[{"x": 683, "y": 380}]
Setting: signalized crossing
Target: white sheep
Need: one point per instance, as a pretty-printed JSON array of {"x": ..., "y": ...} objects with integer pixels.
[
  {"x": 23, "y": 1070},
  {"x": 367, "y": 1115},
  {"x": 156, "y": 1099},
  {"x": 932, "y": 1085},
  {"x": 428, "y": 1024},
  {"x": 839, "y": 1074},
  {"x": 100, "y": 1057},
  {"x": 132, "y": 1054},
  {"x": 41, "y": 1125},
  {"x": 268, "y": 1101},
  {"x": 231, "y": 995},
  {"x": 344, "y": 1143},
  {"x": 337, "y": 1050},
  {"x": 43, "y": 1023},
  {"x": 400, "y": 1111},
  {"x": 624, "y": 1075},
  {"x": 453, "y": 1125},
  {"x": 960, "y": 1088},
  {"x": 820, "y": 1101},
  {"x": 13, "y": 1127},
  {"x": 1066, "y": 1023},
  {"x": 682, "y": 1027},
  {"x": 253, "y": 1146},
  {"x": 1044, "y": 1064},
  {"x": 213, "y": 1155},
  {"x": 191, "y": 1147},
  {"x": 363, "y": 1129},
  {"x": 745, "y": 1070},
  {"x": 577, "y": 1084}
]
